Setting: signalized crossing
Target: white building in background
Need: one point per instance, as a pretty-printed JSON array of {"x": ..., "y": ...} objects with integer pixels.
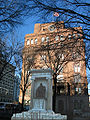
[
  {"x": 16, "y": 88},
  {"x": 7, "y": 82}
]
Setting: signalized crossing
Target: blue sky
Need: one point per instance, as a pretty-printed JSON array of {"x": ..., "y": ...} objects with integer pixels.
[{"x": 27, "y": 28}]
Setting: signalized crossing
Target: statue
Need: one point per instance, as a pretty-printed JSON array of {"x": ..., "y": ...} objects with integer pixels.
[{"x": 40, "y": 92}]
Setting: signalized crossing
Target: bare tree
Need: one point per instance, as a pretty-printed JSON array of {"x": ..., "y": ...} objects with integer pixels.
[
  {"x": 73, "y": 13},
  {"x": 88, "y": 55},
  {"x": 28, "y": 63},
  {"x": 13, "y": 13},
  {"x": 10, "y": 53}
]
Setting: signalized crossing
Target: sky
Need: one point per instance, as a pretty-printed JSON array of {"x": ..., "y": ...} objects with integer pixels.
[{"x": 27, "y": 28}]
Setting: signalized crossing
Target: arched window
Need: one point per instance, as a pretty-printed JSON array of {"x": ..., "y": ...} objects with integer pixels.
[
  {"x": 57, "y": 38},
  {"x": 43, "y": 39},
  {"x": 35, "y": 40},
  {"x": 31, "y": 41},
  {"x": 28, "y": 42},
  {"x": 77, "y": 67},
  {"x": 74, "y": 35},
  {"x": 43, "y": 57},
  {"x": 69, "y": 37},
  {"x": 61, "y": 37},
  {"x": 47, "y": 39}
]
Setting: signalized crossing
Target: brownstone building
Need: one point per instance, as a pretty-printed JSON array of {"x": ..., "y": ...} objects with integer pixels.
[{"x": 63, "y": 50}]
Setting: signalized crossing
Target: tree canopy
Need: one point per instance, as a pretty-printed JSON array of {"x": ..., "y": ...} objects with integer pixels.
[
  {"x": 12, "y": 13},
  {"x": 73, "y": 12}
]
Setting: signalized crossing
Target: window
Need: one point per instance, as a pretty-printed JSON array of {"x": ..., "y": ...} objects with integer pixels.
[
  {"x": 60, "y": 105},
  {"x": 76, "y": 89},
  {"x": 76, "y": 55},
  {"x": 31, "y": 41},
  {"x": 69, "y": 37},
  {"x": 61, "y": 37},
  {"x": 52, "y": 27},
  {"x": 78, "y": 35},
  {"x": 74, "y": 35},
  {"x": 57, "y": 38},
  {"x": 76, "y": 104},
  {"x": 79, "y": 89},
  {"x": 43, "y": 57},
  {"x": 60, "y": 78},
  {"x": 77, "y": 68},
  {"x": 61, "y": 70},
  {"x": 47, "y": 39},
  {"x": 35, "y": 40},
  {"x": 44, "y": 29},
  {"x": 61, "y": 56},
  {"x": 28, "y": 42},
  {"x": 43, "y": 38},
  {"x": 77, "y": 78}
]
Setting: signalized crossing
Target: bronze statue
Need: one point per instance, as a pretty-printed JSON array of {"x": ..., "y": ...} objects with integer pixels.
[{"x": 40, "y": 92}]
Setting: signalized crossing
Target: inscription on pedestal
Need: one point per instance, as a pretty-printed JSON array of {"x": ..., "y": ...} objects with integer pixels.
[{"x": 39, "y": 104}]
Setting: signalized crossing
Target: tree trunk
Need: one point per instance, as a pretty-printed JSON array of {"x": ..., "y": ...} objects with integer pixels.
[
  {"x": 23, "y": 94},
  {"x": 54, "y": 92}
]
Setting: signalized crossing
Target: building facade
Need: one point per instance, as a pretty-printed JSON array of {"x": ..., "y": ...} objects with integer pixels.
[
  {"x": 16, "y": 88},
  {"x": 7, "y": 82},
  {"x": 63, "y": 50}
]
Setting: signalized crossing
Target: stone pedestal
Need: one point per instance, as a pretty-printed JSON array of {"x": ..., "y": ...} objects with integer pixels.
[
  {"x": 41, "y": 98},
  {"x": 39, "y": 115},
  {"x": 39, "y": 104}
]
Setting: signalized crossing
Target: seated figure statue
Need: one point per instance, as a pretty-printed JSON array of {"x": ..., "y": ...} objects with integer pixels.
[
  {"x": 39, "y": 101},
  {"x": 41, "y": 91}
]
